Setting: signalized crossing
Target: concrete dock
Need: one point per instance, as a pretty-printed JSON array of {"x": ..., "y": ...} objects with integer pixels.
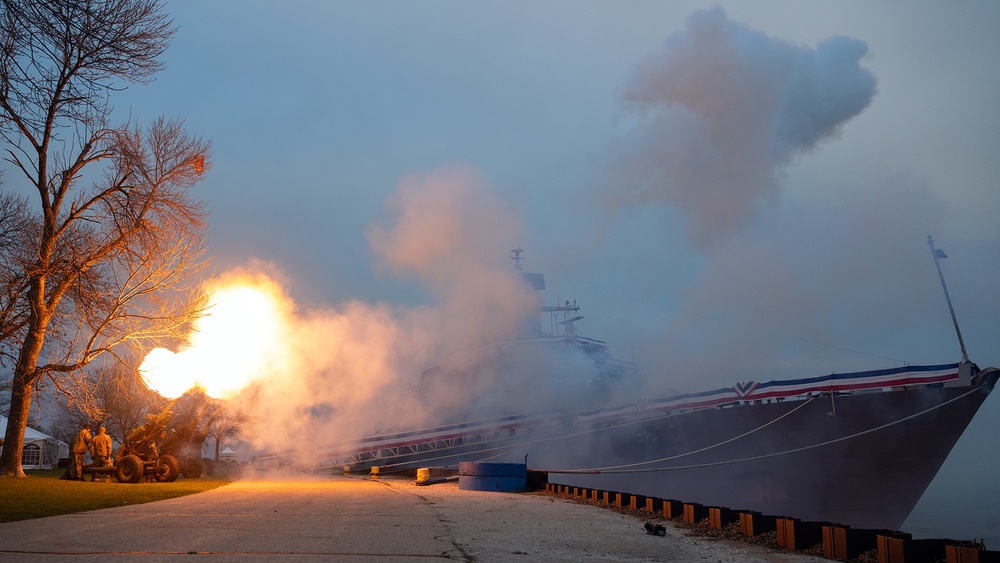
[{"x": 353, "y": 518}]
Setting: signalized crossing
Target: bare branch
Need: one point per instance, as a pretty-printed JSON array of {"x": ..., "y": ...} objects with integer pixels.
[{"x": 96, "y": 272}]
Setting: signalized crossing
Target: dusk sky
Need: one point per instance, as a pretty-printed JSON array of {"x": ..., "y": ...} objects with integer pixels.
[
  {"x": 730, "y": 191},
  {"x": 320, "y": 111}
]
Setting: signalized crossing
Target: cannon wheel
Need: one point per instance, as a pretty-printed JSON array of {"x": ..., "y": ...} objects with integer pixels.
[
  {"x": 129, "y": 469},
  {"x": 167, "y": 469},
  {"x": 192, "y": 468}
]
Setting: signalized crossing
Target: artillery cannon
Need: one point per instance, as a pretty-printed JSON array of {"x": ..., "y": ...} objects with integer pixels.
[
  {"x": 138, "y": 456},
  {"x": 155, "y": 450},
  {"x": 183, "y": 442}
]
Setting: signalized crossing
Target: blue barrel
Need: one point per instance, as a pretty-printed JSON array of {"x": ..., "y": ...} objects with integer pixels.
[{"x": 503, "y": 477}]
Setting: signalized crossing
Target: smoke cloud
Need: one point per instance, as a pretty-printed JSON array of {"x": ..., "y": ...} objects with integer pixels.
[
  {"x": 721, "y": 109},
  {"x": 718, "y": 113},
  {"x": 358, "y": 368}
]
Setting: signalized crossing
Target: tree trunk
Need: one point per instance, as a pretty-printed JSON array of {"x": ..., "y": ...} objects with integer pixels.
[
  {"x": 17, "y": 420},
  {"x": 22, "y": 387}
]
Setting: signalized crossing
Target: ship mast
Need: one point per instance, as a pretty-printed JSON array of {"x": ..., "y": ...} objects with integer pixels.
[
  {"x": 515, "y": 255},
  {"x": 937, "y": 253},
  {"x": 537, "y": 282}
]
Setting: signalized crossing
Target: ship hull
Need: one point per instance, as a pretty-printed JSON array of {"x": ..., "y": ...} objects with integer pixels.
[
  {"x": 862, "y": 459},
  {"x": 857, "y": 449}
]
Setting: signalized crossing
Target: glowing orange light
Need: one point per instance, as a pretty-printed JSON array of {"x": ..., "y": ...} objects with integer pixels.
[{"x": 234, "y": 344}]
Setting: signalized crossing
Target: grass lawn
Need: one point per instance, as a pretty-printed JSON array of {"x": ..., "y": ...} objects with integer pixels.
[{"x": 42, "y": 493}]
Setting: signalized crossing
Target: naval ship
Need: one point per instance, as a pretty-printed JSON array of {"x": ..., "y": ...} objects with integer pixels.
[{"x": 852, "y": 448}]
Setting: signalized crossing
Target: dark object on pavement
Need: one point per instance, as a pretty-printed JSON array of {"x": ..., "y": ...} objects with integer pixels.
[{"x": 655, "y": 529}]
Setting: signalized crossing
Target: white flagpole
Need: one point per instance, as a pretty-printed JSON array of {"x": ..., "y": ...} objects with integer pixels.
[{"x": 937, "y": 254}]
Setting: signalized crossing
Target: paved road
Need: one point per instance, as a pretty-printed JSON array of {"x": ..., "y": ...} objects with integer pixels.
[{"x": 339, "y": 518}]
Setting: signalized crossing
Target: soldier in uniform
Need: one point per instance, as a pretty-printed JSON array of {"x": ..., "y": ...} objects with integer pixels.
[
  {"x": 102, "y": 452},
  {"x": 153, "y": 453},
  {"x": 84, "y": 443}
]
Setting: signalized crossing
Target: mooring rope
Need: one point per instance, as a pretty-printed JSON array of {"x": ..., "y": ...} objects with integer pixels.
[
  {"x": 706, "y": 448},
  {"x": 614, "y": 470},
  {"x": 501, "y": 450}
]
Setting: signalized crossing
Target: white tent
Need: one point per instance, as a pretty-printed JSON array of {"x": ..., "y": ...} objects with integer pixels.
[
  {"x": 228, "y": 455},
  {"x": 41, "y": 451}
]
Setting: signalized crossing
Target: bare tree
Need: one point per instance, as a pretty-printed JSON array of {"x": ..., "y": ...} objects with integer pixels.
[
  {"x": 123, "y": 401},
  {"x": 14, "y": 228},
  {"x": 225, "y": 424},
  {"x": 114, "y": 236},
  {"x": 65, "y": 425}
]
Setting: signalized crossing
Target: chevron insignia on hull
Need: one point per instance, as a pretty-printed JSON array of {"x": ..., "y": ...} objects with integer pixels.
[{"x": 742, "y": 389}]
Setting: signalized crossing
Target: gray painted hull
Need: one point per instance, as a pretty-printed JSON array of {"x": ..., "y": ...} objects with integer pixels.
[{"x": 861, "y": 459}]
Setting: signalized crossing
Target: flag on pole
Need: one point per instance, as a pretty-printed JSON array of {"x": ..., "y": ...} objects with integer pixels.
[{"x": 938, "y": 253}]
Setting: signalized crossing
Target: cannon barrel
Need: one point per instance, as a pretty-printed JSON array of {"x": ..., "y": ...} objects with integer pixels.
[
  {"x": 164, "y": 447},
  {"x": 187, "y": 438},
  {"x": 142, "y": 438}
]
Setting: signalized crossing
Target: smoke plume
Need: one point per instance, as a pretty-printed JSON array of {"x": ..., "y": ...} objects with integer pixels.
[
  {"x": 719, "y": 112},
  {"x": 721, "y": 109},
  {"x": 358, "y": 368}
]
